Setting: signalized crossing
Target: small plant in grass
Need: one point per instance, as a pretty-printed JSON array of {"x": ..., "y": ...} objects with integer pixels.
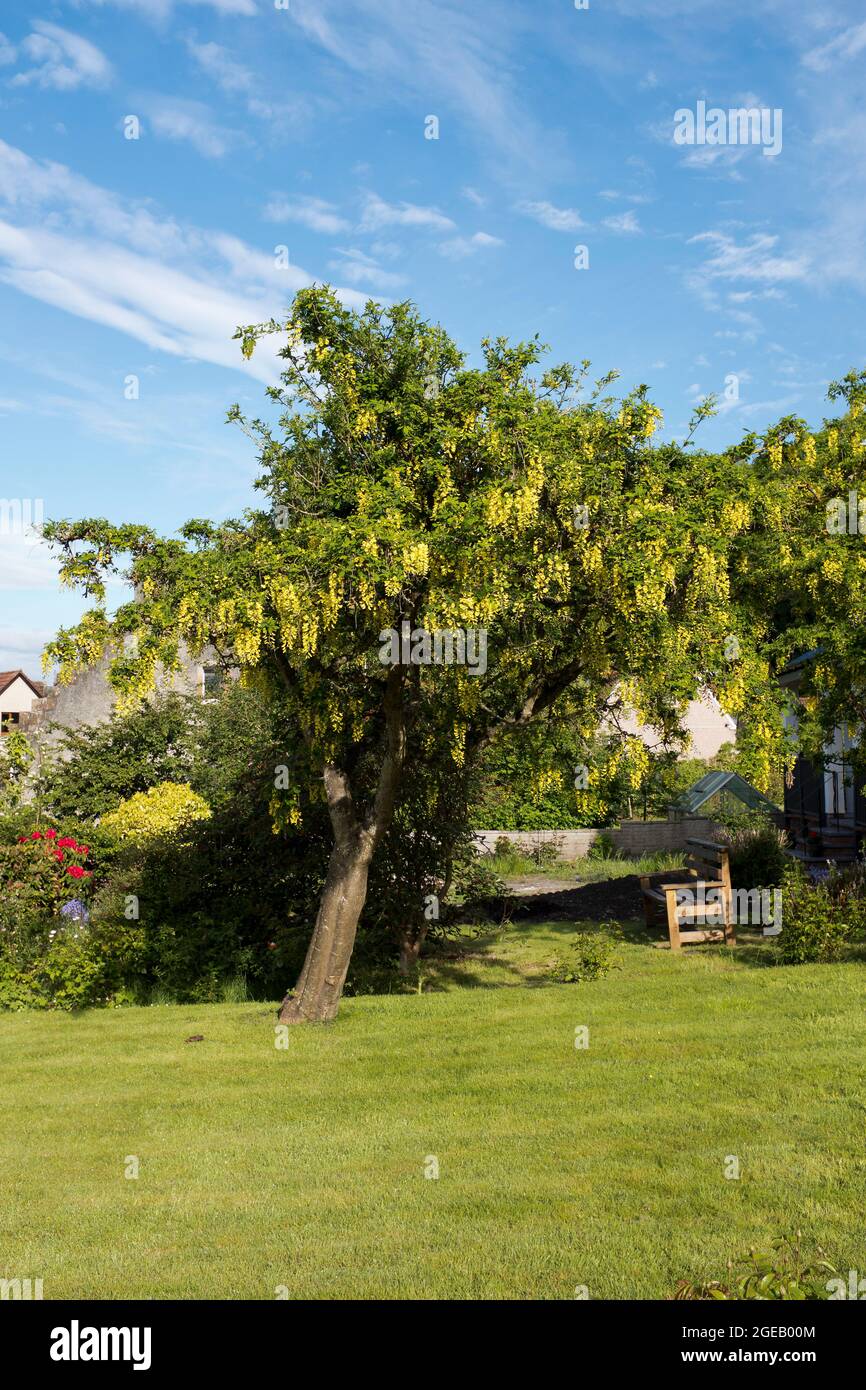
[
  {"x": 590, "y": 957},
  {"x": 782, "y": 1273}
]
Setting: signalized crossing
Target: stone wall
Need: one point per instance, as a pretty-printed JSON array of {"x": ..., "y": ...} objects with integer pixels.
[{"x": 632, "y": 837}]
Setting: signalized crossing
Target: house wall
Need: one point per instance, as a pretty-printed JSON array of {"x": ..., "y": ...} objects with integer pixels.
[
  {"x": 89, "y": 699},
  {"x": 18, "y": 698},
  {"x": 705, "y": 721}
]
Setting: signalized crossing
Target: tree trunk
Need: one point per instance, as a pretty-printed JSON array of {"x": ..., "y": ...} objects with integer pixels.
[
  {"x": 410, "y": 950},
  {"x": 316, "y": 996}
]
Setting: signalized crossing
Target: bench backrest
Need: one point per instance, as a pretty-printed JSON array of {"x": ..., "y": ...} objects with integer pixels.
[{"x": 710, "y": 860}]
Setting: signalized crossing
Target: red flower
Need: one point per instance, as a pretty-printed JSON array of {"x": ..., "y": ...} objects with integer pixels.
[
  {"x": 82, "y": 849},
  {"x": 51, "y": 834},
  {"x": 75, "y": 871},
  {"x": 37, "y": 835},
  {"x": 58, "y": 855},
  {"x": 66, "y": 843},
  {"x": 22, "y": 839}
]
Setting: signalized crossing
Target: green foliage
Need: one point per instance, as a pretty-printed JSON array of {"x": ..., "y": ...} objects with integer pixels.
[
  {"x": 166, "y": 811},
  {"x": 94, "y": 769},
  {"x": 782, "y": 1273},
  {"x": 56, "y": 950},
  {"x": 818, "y": 919},
  {"x": 16, "y": 755},
  {"x": 589, "y": 957},
  {"x": 757, "y": 854}
]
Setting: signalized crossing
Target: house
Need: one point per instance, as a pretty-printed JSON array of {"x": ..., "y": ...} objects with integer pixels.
[
  {"x": 89, "y": 700},
  {"x": 18, "y": 696},
  {"x": 705, "y": 722},
  {"x": 825, "y": 810}
]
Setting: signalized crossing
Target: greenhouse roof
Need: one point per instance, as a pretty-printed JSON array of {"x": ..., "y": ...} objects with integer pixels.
[{"x": 714, "y": 782}]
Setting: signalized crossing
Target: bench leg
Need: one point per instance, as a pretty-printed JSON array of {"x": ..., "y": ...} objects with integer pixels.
[
  {"x": 730, "y": 929},
  {"x": 673, "y": 923},
  {"x": 648, "y": 909}
]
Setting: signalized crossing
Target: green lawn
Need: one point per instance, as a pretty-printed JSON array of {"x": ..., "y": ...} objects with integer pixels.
[{"x": 558, "y": 1167}]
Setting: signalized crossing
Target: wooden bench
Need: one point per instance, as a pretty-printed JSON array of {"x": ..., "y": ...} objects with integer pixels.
[{"x": 705, "y": 895}]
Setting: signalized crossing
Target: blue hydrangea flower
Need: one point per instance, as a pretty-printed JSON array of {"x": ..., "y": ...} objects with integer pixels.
[{"x": 76, "y": 910}]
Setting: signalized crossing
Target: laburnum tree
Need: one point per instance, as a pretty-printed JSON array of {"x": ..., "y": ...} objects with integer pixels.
[
  {"x": 805, "y": 564},
  {"x": 405, "y": 486}
]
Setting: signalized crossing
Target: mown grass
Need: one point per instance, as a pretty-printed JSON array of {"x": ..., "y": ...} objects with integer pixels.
[{"x": 304, "y": 1168}]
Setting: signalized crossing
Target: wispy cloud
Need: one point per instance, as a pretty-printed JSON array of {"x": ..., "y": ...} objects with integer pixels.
[
  {"x": 377, "y": 214},
  {"x": 360, "y": 269},
  {"x": 622, "y": 222},
  {"x": 315, "y": 213},
  {"x": 180, "y": 289},
  {"x": 59, "y": 59},
  {"x": 849, "y": 44},
  {"x": 458, "y": 247},
  {"x": 754, "y": 259},
  {"x": 557, "y": 219},
  {"x": 192, "y": 122},
  {"x": 161, "y": 10},
  {"x": 468, "y": 54}
]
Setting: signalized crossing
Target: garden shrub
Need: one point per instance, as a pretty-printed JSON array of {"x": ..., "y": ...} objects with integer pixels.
[
  {"x": 818, "y": 920},
  {"x": 166, "y": 811},
  {"x": 53, "y": 950},
  {"x": 93, "y": 769},
  {"x": 757, "y": 854}
]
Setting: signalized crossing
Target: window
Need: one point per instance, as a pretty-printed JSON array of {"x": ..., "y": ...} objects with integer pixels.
[
  {"x": 212, "y": 682},
  {"x": 9, "y": 721}
]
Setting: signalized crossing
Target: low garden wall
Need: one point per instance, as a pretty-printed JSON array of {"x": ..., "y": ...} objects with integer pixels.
[{"x": 632, "y": 837}]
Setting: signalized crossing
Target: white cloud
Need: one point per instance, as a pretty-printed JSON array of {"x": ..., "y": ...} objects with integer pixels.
[
  {"x": 218, "y": 63},
  {"x": 162, "y": 9},
  {"x": 176, "y": 118},
  {"x": 315, "y": 213},
  {"x": 360, "y": 269},
  {"x": 469, "y": 55},
  {"x": 613, "y": 195},
  {"x": 21, "y": 648},
  {"x": 622, "y": 222},
  {"x": 473, "y": 196},
  {"x": 26, "y": 563},
  {"x": 557, "y": 219},
  {"x": 456, "y": 248},
  {"x": 377, "y": 214},
  {"x": 61, "y": 59},
  {"x": 7, "y": 51},
  {"x": 180, "y": 289},
  {"x": 755, "y": 259},
  {"x": 849, "y": 44}
]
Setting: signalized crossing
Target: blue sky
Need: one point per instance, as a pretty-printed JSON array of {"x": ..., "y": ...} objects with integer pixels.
[{"x": 304, "y": 127}]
